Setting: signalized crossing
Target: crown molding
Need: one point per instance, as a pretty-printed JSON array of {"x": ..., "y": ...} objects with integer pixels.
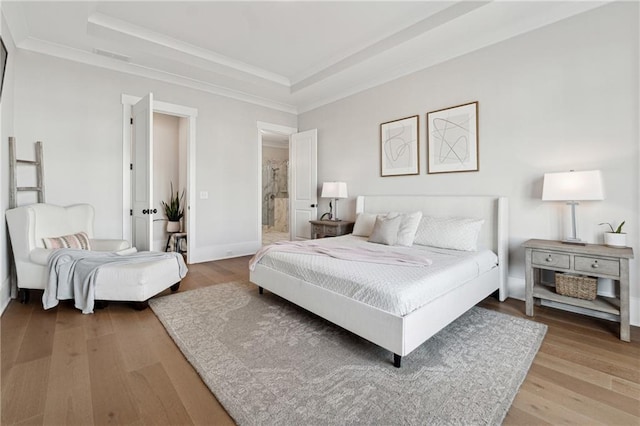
[
  {"x": 134, "y": 31},
  {"x": 77, "y": 55}
]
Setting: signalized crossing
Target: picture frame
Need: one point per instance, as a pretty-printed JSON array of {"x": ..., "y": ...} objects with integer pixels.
[
  {"x": 3, "y": 64},
  {"x": 452, "y": 139},
  {"x": 399, "y": 147}
]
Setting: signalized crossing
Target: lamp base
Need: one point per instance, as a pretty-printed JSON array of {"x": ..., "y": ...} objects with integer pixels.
[{"x": 575, "y": 242}]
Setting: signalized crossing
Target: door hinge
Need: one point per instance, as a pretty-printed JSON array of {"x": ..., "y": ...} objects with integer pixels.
[
  {"x": 130, "y": 212},
  {"x": 131, "y": 120},
  {"x": 130, "y": 166}
]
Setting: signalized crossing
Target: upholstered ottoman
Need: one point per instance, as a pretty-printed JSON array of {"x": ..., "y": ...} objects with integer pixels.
[
  {"x": 137, "y": 282},
  {"x": 93, "y": 278}
]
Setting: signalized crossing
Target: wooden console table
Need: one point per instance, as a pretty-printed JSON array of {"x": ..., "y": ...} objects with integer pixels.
[{"x": 594, "y": 260}]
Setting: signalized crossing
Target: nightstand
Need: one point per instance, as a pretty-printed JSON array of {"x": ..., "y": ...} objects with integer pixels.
[
  {"x": 330, "y": 228},
  {"x": 593, "y": 260}
]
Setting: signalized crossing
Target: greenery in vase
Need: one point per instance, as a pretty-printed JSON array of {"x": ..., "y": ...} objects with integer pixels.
[
  {"x": 618, "y": 230},
  {"x": 174, "y": 210}
]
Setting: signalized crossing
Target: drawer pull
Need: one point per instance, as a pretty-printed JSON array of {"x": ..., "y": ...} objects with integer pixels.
[
  {"x": 549, "y": 259},
  {"x": 595, "y": 265}
]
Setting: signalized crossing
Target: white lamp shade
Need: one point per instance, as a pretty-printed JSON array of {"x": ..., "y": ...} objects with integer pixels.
[
  {"x": 334, "y": 190},
  {"x": 573, "y": 186}
]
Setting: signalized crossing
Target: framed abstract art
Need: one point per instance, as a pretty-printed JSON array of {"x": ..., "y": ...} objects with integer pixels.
[
  {"x": 452, "y": 139},
  {"x": 399, "y": 151}
]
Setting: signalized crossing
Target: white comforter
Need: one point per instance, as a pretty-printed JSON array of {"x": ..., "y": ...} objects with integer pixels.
[{"x": 398, "y": 289}]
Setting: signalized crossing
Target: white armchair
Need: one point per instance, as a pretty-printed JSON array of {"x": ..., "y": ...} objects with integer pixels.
[{"x": 28, "y": 225}]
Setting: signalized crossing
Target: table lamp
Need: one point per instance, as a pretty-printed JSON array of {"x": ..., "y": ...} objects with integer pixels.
[
  {"x": 573, "y": 187},
  {"x": 334, "y": 190}
]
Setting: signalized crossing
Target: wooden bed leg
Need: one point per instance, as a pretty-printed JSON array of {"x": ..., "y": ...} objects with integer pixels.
[
  {"x": 397, "y": 360},
  {"x": 260, "y": 290},
  {"x": 176, "y": 286}
]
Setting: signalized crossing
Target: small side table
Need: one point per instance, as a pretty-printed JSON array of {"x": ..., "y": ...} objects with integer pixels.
[
  {"x": 330, "y": 228},
  {"x": 174, "y": 242},
  {"x": 593, "y": 260}
]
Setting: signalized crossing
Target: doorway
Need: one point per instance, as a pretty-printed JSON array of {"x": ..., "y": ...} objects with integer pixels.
[
  {"x": 181, "y": 120},
  {"x": 275, "y": 187}
]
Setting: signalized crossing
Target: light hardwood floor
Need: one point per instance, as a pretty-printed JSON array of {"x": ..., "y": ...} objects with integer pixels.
[{"x": 119, "y": 366}]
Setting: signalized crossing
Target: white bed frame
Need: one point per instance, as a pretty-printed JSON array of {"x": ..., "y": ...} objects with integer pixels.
[{"x": 402, "y": 334}]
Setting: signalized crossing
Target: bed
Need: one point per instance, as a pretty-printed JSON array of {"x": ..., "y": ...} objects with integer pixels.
[{"x": 404, "y": 329}]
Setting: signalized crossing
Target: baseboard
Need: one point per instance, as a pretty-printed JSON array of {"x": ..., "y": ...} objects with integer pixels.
[
  {"x": 515, "y": 288},
  {"x": 223, "y": 251},
  {"x": 5, "y": 294}
]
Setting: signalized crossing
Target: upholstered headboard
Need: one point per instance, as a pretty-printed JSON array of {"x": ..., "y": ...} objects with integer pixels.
[{"x": 495, "y": 211}]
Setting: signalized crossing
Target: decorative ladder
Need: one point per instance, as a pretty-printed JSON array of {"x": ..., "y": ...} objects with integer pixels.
[
  {"x": 13, "y": 178},
  {"x": 23, "y": 294}
]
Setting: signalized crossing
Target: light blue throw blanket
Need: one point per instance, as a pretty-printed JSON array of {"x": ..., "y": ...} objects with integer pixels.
[{"x": 72, "y": 273}]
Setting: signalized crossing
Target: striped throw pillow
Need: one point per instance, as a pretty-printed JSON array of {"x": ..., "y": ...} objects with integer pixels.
[{"x": 75, "y": 241}]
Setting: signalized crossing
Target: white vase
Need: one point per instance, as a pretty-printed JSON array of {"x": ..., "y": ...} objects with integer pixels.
[
  {"x": 614, "y": 239},
  {"x": 173, "y": 226}
]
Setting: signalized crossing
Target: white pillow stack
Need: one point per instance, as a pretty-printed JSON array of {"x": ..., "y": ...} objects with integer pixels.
[{"x": 368, "y": 223}]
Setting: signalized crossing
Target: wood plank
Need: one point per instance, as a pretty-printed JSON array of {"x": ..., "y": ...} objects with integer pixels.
[
  {"x": 99, "y": 325},
  {"x": 516, "y": 416},
  {"x": 576, "y": 370},
  {"x": 25, "y": 392},
  {"x": 40, "y": 330},
  {"x": 132, "y": 339},
  {"x": 566, "y": 351},
  {"x": 575, "y": 401},
  {"x": 157, "y": 399},
  {"x": 606, "y": 396},
  {"x": 537, "y": 405},
  {"x": 69, "y": 389},
  {"x": 12, "y": 330},
  {"x": 111, "y": 395},
  {"x": 625, "y": 387}
]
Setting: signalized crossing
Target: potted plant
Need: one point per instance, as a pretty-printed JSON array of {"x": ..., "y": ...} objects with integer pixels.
[
  {"x": 615, "y": 238},
  {"x": 174, "y": 210}
]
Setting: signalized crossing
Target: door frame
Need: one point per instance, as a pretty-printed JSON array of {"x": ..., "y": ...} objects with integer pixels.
[
  {"x": 169, "y": 109},
  {"x": 285, "y": 131}
]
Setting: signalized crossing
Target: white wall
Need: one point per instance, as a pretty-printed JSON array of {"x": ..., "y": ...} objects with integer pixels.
[
  {"x": 6, "y": 112},
  {"x": 563, "y": 97},
  {"x": 76, "y": 110}
]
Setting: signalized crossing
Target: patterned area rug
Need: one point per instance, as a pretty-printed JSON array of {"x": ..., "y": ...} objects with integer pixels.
[{"x": 270, "y": 362}]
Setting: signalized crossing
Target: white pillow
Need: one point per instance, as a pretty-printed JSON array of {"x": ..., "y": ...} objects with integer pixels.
[
  {"x": 385, "y": 230},
  {"x": 458, "y": 233},
  {"x": 364, "y": 224},
  {"x": 408, "y": 227}
]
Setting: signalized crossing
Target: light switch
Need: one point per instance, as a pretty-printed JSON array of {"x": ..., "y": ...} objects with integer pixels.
[{"x": 204, "y": 195}]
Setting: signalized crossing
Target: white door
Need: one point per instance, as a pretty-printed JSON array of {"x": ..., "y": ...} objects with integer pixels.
[
  {"x": 303, "y": 190},
  {"x": 142, "y": 174}
]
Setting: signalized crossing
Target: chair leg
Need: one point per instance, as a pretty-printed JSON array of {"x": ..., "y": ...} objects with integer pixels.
[
  {"x": 176, "y": 286},
  {"x": 23, "y": 295}
]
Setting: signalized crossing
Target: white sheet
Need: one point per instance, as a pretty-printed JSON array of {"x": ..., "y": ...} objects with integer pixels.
[{"x": 396, "y": 289}]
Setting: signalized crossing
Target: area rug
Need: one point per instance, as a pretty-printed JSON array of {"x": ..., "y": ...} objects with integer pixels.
[{"x": 270, "y": 362}]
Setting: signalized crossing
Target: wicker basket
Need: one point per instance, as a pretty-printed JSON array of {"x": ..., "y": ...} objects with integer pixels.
[{"x": 577, "y": 286}]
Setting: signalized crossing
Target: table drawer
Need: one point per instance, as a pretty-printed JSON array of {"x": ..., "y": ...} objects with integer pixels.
[
  {"x": 549, "y": 258},
  {"x": 330, "y": 230},
  {"x": 597, "y": 265}
]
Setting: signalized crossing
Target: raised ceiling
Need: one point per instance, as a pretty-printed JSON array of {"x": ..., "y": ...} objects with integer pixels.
[{"x": 290, "y": 55}]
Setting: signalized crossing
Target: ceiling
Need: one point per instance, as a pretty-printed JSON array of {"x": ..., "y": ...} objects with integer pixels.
[{"x": 290, "y": 55}]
